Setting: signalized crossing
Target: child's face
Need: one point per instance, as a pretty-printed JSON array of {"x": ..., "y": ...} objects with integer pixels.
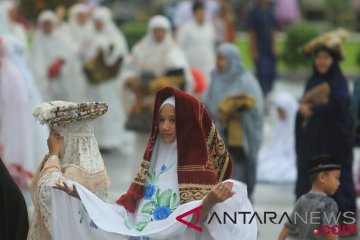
[
  {"x": 167, "y": 123},
  {"x": 332, "y": 181}
]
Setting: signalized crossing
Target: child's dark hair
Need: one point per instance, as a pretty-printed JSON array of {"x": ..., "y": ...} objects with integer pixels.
[
  {"x": 198, "y": 5},
  {"x": 322, "y": 163},
  {"x": 314, "y": 176}
]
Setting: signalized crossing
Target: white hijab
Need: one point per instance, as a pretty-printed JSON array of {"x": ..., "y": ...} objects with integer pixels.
[
  {"x": 14, "y": 50},
  {"x": 7, "y": 25},
  {"x": 158, "y": 22},
  {"x": 45, "y": 50},
  {"x": 277, "y": 159},
  {"x": 158, "y": 57},
  {"x": 80, "y": 35},
  {"x": 110, "y": 35},
  {"x": 75, "y": 11},
  {"x": 15, "y": 126}
]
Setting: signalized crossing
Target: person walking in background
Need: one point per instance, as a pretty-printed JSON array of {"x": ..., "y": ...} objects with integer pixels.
[
  {"x": 197, "y": 39},
  {"x": 324, "y": 123},
  {"x": 14, "y": 50},
  {"x": 81, "y": 30},
  {"x": 235, "y": 102},
  {"x": 152, "y": 62},
  {"x": 184, "y": 13},
  {"x": 16, "y": 125},
  {"x": 53, "y": 61},
  {"x": 224, "y": 22},
  {"x": 104, "y": 68},
  {"x": 262, "y": 26},
  {"x": 287, "y": 12},
  {"x": 8, "y": 23}
]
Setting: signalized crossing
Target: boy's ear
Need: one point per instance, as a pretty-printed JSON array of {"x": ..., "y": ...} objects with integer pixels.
[{"x": 322, "y": 177}]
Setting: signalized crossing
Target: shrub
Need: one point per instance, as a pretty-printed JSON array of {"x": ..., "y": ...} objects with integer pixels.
[
  {"x": 133, "y": 32},
  {"x": 297, "y": 35}
]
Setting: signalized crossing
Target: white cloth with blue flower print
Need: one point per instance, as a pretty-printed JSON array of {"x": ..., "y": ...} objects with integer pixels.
[
  {"x": 155, "y": 217},
  {"x": 93, "y": 218},
  {"x": 161, "y": 195}
]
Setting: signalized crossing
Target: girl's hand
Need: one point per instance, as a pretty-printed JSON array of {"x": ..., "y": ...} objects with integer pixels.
[
  {"x": 305, "y": 110},
  {"x": 219, "y": 193},
  {"x": 55, "y": 142},
  {"x": 72, "y": 192}
]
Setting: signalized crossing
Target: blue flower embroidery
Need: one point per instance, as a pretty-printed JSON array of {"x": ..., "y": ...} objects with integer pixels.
[
  {"x": 161, "y": 212},
  {"x": 163, "y": 168},
  {"x": 149, "y": 191}
]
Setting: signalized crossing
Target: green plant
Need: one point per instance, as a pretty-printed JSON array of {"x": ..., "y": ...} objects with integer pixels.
[
  {"x": 133, "y": 32},
  {"x": 31, "y": 9},
  {"x": 358, "y": 58},
  {"x": 297, "y": 35}
]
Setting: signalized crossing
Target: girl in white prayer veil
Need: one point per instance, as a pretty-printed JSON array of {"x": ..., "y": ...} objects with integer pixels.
[
  {"x": 108, "y": 45},
  {"x": 277, "y": 159},
  {"x": 79, "y": 159},
  {"x": 157, "y": 55},
  {"x": 36, "y": 134},
  {"x": 54, "y": 63},
  {"x": 108, "y": 37},
  {"x": 80, "y": 29},
  {"x": 8, "y": 25},
  {"x": 15, "y": 126}
]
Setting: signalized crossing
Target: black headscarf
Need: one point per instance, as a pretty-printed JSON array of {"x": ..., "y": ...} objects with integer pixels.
[
  {"x": 334, "y": 76},
  {"x": 14, "y": 221}
]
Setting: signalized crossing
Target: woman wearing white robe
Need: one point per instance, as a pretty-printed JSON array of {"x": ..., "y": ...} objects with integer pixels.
[
  {"x": 15, "y": 129},
  {"x": 8, "y": 25},
  {"x": 50, "y": 48},
  {"x": 107, "y": 37},
  {"x": 277, "y": 159},
  {"x": 14, "y": 50},
  {"x": 151, "y": 55},
  {"x": 157, "y": 57},
  {"x": 80, "y": 29},
  {"x": 197, "y": 39}
]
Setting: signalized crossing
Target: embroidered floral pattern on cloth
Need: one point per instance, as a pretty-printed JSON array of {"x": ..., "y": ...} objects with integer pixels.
[{"x": 159, "y": 201}]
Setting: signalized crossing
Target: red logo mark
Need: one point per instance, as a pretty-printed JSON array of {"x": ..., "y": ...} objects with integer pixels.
[{"x": 189, "y": 224}]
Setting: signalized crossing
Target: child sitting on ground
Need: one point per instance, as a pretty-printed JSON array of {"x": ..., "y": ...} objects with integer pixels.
[{"x": 316, "y": 209}]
